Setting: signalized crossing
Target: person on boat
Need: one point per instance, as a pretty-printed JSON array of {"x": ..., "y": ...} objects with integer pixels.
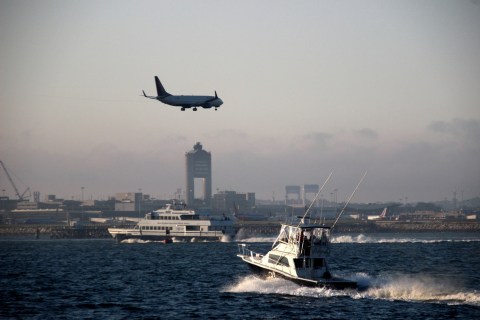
[
  {"x": 323, "y": 238},
  {"x": 307, "y": 244},
  {"x": 300, "y": 238}
]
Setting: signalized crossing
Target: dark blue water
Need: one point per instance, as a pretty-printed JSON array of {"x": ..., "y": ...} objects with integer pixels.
[{"x": 409, "y": 277}]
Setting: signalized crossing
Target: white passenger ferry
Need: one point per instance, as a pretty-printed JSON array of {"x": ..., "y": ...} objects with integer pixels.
[{"x": 176, "y": 222}]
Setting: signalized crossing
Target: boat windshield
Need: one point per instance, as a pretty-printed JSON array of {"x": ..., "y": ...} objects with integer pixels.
[{"x": 296, "y": 235}]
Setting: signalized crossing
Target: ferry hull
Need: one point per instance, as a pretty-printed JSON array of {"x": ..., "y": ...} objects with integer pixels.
[
  {"x": 120, "y": 235},
  {"x": 120, "y": 238},
  {"x": 332, "y": 283}
]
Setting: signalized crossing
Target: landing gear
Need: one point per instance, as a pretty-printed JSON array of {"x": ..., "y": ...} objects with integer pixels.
[
  {"x": 183, "y": 109},
  {"x": 194, "y": 109},
  {"x": 215, "y": 109}
]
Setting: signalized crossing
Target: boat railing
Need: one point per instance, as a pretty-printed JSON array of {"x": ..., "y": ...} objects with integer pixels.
[{"x": 245, "y": 251}]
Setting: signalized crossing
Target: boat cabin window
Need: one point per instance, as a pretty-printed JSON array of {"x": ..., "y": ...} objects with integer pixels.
[
  {"x": 273, "y": 258},
  {"x": 318, "y": 263},
  {"x": 189, "y": 217},
  {"x": 170, "y": 218}
]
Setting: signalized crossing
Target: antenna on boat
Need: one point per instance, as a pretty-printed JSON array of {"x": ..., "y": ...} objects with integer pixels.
[
  {"x": 348, "y": 201},
  {"x": 316, "y": 196}
]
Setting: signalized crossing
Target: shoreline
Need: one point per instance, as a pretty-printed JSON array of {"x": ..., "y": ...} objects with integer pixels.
[{"x": 251, "y": 228}]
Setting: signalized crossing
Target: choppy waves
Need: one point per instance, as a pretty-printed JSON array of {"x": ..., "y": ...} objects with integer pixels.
[
  {"x": 401, "y": 287},
  {"x": 175, "y": 240},
  {"x": 371, "y": 239}
]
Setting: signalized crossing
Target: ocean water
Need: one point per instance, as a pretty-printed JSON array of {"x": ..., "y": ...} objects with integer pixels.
[{"x": 408, "y": 276}]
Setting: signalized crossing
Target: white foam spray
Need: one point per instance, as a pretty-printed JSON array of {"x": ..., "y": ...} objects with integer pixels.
[
  {"x": 400, "y": 287},
  {"x": 133, "y": 240},
  {"x": 361, "y": 238}
]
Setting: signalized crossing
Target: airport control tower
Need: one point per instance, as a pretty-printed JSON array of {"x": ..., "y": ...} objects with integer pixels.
[{"x": 198, "y": 165}]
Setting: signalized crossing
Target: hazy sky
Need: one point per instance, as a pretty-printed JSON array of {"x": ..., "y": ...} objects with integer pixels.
[{"x": 309, "y": 87}]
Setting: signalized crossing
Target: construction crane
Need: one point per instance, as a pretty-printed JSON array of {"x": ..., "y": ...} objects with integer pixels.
[{"x": 22, "y": 196}]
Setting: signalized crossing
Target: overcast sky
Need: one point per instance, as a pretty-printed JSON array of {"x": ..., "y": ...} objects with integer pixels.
[{"x": 309, "y": 87}]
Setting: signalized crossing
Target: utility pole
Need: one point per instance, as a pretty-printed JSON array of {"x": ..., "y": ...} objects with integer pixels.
[{"x": 140, "y": 203}]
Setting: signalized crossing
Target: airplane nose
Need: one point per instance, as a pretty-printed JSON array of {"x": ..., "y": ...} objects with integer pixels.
[{"x": 220, "y": 101}]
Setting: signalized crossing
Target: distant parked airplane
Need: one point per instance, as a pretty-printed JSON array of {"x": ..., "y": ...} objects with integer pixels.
[
  {"x": 206, "y": 102},
  {"x": 383, "y": 215}
]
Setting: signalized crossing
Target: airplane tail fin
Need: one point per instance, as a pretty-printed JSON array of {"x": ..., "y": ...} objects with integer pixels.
[
  {"x": 160, "y": 89},
  {"x": 384, "y": 213},
  {"x": 235, "y": 209}
]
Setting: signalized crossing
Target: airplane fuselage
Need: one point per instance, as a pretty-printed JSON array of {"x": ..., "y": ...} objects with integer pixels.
[{"x": 192, "y": 101}]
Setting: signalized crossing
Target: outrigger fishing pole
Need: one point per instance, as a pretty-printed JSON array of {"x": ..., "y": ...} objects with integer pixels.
[
  {"x": 308, "y": 210},
  {"x": 316, "y": 196},
  {"x": 348, "y": 201}
]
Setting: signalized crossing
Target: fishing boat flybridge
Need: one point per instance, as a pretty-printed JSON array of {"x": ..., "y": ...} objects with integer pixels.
[
  {"x": 176, "y": 221},
  {"x": 299, "y": 253}
]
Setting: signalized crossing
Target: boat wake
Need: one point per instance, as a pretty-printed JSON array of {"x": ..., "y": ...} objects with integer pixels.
[
  {"x": 419, "y": 289},
  {"x": 245, "y": 236},
  {"x": 256, "y": 239},
  {"x": 400, "y": 287},
  {"x": 136, "y": 241},
  {"x": 376, "y": 239},
  {"x": 278, "y": 286}
]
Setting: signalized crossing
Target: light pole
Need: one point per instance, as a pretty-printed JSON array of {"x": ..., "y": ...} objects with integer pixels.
[
  {"x": 83, "y": 213},
  {"x": 140, "y": 203}
]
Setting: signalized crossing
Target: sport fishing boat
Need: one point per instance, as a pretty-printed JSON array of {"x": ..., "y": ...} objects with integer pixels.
[
  {"x": 298, "y": 254},
  {"x": 177, "y": 222}
]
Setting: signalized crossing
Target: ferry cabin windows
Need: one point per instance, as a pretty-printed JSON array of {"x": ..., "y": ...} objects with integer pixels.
[
  {"x": 148, "y": 228},
  {"x": 150, "y": 216},
  {"x": 189, "y": 217}
]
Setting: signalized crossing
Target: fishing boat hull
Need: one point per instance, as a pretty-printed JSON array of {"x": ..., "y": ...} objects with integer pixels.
[{"x": 268, "y": 272}]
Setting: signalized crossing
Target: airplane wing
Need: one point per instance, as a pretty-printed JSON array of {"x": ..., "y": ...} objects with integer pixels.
[{"x": 206, "y": 103}]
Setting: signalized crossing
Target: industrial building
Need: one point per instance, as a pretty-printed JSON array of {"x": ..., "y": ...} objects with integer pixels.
[
  {"x": 198, "y": 165},
  {"x": 300, "y": 194},
  {"x": 229, "y": 201}
]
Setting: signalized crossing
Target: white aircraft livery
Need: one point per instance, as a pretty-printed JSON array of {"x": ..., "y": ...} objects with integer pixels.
[
  {"x": 206, "y": 102},
  {"x": 383, "y": 215}
]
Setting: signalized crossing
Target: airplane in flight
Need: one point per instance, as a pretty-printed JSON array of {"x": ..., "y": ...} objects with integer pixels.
[{"x": 206, "y": 102}]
